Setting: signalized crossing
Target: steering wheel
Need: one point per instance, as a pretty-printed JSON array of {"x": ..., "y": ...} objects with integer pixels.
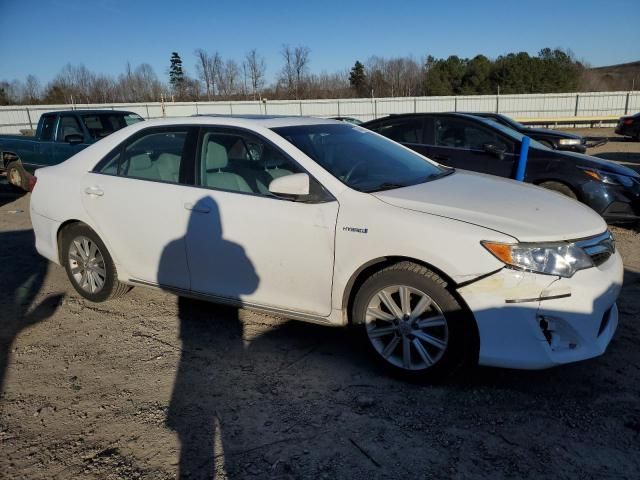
[{"x": 351, "y": 171}]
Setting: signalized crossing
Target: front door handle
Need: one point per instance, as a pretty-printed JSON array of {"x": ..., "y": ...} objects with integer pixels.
[
  {"x": 199, "y": 209},
  {"x": 94, "y": 191}
]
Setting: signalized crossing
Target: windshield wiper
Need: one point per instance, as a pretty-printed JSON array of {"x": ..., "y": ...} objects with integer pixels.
[{"x": 386, "y": 186}]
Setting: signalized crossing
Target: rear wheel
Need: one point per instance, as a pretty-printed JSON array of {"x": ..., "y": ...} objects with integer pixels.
[
  {"x": 560, "y": 188},
  {"x": 17, "y": 176},
  {"x": 89, "y": 266},
  {"x": 412, "y": 324}
]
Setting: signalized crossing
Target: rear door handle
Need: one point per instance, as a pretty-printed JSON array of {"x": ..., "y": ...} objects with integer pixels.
[
  {"x": 199, "y": 209},
  {"x": 94, "y": 191}
]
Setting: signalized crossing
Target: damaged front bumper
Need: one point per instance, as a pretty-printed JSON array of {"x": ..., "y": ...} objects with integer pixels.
[{"x": 532, "y": 321}]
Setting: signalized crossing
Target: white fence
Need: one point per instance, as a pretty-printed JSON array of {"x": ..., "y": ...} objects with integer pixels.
[{"x": 542, "y": 106}]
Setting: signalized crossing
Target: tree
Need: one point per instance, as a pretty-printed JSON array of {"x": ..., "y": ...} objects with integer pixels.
[
  {"x": 296, "y": 63},
  {"x": 255, "y": 68},
  {"x": 31, "y": 93},
  {"x": 4, "y": 97},
  {"x": 176, "y": 74},
  {"x": 203, "y": 69},
  {"x": 358, "y": 79}
]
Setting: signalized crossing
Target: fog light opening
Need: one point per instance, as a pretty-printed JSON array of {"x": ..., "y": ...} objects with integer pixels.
[{"x": 544, "y": 326}]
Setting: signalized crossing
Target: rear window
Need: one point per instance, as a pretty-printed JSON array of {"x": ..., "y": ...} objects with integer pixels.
[{"x": 103, "y": 124}]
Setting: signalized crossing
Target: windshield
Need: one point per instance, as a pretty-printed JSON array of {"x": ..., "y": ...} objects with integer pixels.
[
  {"x": 100, "y": 125},
  {"x": 361, "y": 159},
  {"x": 515, "y": 135}
]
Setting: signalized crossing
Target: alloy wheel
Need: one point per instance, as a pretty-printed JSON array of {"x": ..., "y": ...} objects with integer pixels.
[
  {"x": 406, "y": 327},
  {"x": 87, "y": 264}
]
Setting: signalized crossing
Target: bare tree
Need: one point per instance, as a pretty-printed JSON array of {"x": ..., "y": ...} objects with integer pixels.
[
  {"x": 32, "y": 90},
  {"x": 204, "y": 70},
  {"x": 301, "y": 64},
  {"x": 256, "y": 69}
]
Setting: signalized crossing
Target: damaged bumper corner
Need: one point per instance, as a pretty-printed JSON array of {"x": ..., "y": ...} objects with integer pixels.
[{"x": 532, "y": 321}]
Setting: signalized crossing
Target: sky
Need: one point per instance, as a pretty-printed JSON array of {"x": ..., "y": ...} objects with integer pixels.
[{"x": 41, "y": 36}]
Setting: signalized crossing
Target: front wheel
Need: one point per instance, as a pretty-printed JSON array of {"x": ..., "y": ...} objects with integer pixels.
[
  {"x": 89, "y": 266},
  {"x": 413, "y": 325}
]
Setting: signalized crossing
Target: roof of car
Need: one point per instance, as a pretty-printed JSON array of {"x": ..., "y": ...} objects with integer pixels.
[
  {"x": 265, "y": 121},
  {"x": 421, "y": 114},
  {"x": 89, "y": 111}
]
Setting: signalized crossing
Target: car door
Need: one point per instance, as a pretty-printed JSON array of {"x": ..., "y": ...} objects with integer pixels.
[
  {"x": 62, "y": 149},
  {"x": 463, "y": 143},
  {"x": 134, "y": 200},
  {"x": 243, "y": 243}
]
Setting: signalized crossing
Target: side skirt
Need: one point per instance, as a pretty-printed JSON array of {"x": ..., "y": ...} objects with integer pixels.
[{"x": 236, "y": 302}]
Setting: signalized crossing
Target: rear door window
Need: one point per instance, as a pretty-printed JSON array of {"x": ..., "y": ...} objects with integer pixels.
[
  {"x": 156, "y": 155},
  {"x": 407, "y": 130},
  {"x": 458, "y": 133}
]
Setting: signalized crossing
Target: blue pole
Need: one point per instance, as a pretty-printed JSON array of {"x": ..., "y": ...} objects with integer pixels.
[{"x": 522, "y": 161}]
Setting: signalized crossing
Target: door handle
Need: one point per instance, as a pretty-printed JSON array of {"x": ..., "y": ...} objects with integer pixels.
[
  {"x": 94, "y": 191},
  {"x": 199, "y": 209}
]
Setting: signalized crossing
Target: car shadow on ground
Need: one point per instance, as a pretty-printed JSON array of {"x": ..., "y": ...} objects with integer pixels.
[{"x": 21, "y": 281}]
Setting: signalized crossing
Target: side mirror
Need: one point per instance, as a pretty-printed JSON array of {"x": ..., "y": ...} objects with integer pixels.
[
  {"x": 497, "y": 150},
  {"x": 291, "y": 186},
  {"x": 74, "y": 138}
]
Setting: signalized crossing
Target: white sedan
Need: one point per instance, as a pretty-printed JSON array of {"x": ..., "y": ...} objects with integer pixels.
[{"x": 327, "y": 222}]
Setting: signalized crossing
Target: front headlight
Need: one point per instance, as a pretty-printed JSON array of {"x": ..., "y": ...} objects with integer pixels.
[
  {"x": 562, "y": 259},
  {"x": 569, "y": 141},
  {"x": 610, "y": 178}
]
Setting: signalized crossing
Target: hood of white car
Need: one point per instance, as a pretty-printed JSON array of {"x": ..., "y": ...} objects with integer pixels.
[{"x": 526, "y": 212}]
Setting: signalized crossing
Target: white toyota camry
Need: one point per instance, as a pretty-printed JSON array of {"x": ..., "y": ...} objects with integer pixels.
[{"x": 327, "y": 222}]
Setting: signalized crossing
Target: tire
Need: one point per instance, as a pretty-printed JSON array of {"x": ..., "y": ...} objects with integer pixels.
[
  {"x": 88, "y": 264},
  {"x": 451, "y": 342},
  {"x": 17, "y": 176},
  {"x": 560, "y": 188}
]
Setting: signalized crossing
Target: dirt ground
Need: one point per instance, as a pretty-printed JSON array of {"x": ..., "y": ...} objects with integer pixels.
[{"x": 132, "y": 389}]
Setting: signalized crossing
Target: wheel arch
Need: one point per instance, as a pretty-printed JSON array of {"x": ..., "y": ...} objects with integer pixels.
[
  {"x": 539, "y": 181},
  {"x": 374, "y": 265}
]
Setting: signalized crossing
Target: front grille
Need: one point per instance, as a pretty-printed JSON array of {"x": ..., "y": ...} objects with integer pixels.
[{"x": 599, "y": 248}]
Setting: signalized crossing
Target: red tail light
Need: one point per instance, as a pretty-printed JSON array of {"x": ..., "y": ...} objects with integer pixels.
[
  {"x": 628, "y": 121},
  {"x": 32, "y": 182}
]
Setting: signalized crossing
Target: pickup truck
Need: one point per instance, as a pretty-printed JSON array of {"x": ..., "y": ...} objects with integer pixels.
[{"x": 59, "y": 136}]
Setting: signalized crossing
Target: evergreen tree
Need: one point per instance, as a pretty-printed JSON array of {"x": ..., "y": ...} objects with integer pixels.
[
  {"x": 358, "y": 79},
  {"x": 176, "y": 74}
]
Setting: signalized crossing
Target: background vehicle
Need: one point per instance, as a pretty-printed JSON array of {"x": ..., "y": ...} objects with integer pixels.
[
  {"x": 482, "y": 145},
  {"x": 629, "y": 126},
  {"x": 327, "y": 222},
  {"x": 352, "y": 120},
  {"x": 548, "y": 138},
  {"x": 59, "y": 136}
]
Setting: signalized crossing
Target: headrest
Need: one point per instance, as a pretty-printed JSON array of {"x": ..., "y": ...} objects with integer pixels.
[
  {"x": 216, "y": 156},
  {"x": 140, "y": 161},
  {"x": 273, "y": 159}
]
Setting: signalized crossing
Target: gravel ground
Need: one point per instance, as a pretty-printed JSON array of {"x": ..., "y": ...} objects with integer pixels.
[{"x": 118, "y": 390}]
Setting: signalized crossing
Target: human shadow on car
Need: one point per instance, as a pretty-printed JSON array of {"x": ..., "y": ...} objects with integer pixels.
[
  {"x": 21, "y": 281},
  {"x": 210, "y": 337}
]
